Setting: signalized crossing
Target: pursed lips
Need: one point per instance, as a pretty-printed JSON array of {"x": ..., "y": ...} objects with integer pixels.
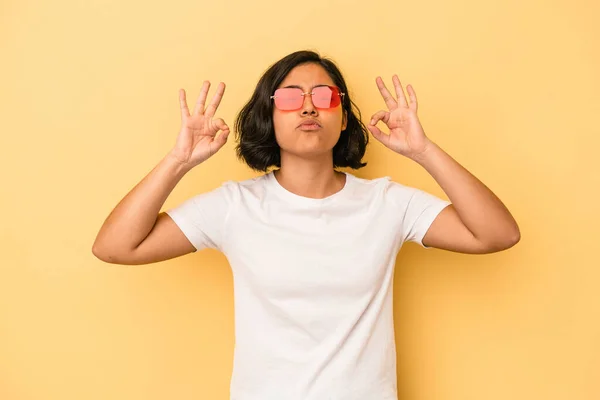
[{"x": 311, "y": 123}]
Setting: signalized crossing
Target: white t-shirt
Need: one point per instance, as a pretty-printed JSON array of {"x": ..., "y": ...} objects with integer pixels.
[{"x": 312, "y": 282}]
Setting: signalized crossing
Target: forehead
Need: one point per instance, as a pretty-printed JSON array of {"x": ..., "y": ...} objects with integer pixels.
[{"x": 307, "y": 76}]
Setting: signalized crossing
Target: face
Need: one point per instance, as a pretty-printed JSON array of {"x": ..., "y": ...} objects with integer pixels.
[{"x": 308, "y": 131}]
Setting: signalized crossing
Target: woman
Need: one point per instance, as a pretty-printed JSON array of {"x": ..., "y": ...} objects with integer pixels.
[{"x": 312, "y": 249}]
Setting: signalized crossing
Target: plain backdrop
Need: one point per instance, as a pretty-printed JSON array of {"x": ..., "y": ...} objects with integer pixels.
[{"x": 89, "y": 105}]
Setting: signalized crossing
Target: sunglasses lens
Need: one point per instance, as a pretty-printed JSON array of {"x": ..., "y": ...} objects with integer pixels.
[
  {"x": 326, "y": 97},
  {"x": 288, "y": 98}
]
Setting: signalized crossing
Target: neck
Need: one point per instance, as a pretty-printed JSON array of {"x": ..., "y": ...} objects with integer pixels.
[{"x": 313, "y": 178}]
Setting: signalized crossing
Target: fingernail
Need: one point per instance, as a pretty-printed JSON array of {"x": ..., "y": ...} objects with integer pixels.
[{"x": 371, "y": 123}]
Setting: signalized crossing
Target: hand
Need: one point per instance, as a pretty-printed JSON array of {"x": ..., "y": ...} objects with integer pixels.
[
  {"x": 197, "y": 140},
  {"x": 406, "y": 135}
]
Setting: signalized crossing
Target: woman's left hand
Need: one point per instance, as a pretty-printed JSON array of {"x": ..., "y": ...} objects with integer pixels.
[{"x": 406, "y": 135}]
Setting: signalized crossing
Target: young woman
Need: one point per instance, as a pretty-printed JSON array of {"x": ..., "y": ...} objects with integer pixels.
[{"x": 312, "y": 249}]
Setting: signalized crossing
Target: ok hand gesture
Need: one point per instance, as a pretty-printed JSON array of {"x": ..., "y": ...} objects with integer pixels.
[
  {"x": 198, "y": 140},
  {"x": 406, "y": 134}
]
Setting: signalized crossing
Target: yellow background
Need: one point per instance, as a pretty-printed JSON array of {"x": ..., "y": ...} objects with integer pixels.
[{"x": 89, "y": 105}]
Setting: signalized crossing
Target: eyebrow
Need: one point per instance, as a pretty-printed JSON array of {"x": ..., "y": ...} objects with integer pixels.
[{"x": 300, "y": 87}]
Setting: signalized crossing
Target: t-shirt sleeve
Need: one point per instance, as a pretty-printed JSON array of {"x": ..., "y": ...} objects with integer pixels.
[
  {"x": 203, "y": 218},
  {"x": 418, "y": 209}
]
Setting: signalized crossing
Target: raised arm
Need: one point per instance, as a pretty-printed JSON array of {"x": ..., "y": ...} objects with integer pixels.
[
  {"x": 476, "y": 221},
  {"x": 135, "y": 232}
]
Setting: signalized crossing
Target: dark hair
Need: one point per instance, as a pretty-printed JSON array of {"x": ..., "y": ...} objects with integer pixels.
[{"x": 257, "y": 146}]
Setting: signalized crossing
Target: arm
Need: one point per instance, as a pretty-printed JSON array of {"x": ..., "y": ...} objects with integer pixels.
[
  {"x": 477, "y": 221},
  {"x": 135, "y": 232},
  {"x": 124, "y": 236}
]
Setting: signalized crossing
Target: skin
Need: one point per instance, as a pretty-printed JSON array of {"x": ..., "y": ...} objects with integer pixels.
[
  {"x": 306, "y": 156},
  {"x": 136, "y": 232},
  {"x": 477, "y": 221}
]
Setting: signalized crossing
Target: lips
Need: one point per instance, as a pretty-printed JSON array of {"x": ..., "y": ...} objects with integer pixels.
[{"x": 310, "y": 124}]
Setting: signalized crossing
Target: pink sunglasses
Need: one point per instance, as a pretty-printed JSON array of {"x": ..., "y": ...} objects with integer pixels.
[{"x": 323, "y": 97}]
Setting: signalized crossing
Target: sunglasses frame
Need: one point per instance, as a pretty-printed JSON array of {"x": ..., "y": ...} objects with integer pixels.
[{"x": 303, "y": 94}]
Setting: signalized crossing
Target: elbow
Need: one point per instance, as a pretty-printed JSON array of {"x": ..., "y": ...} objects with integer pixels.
[
  {"x": 510, "y": 240},
  {"x": 516, "y": 238},
  {"x": 501, "y": 243},
  {"x": 100, "y": 254},
  {"x": 104, "y": 255},
  {"x": 110, "y": 256},
  {"x": 96, "y": 250}
]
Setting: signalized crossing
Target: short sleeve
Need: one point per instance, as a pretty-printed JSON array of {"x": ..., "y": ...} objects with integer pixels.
[
  {"x": 203, "y": 218},
  {"x": 418, "y": 210}
]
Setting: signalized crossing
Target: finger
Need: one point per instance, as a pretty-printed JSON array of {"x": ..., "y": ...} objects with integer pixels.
[
  {"x": 414, "y": 105},
  {"x": 378, "y": 134},
  {"x": 220, "y": 140},
  {"x": 216, "y": 100},
  {"x": 399, "y": 91},
  {"x": 185, "y": 112},
  {"x": 199, "y": 109},
  {"x": 390, "y": 102},
  {"x": 380, "y": 116},
  {"x": 220, "y": 124}
]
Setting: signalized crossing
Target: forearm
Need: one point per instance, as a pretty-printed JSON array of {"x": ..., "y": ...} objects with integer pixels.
[
  {"x": 479, "y": 209},
  {"x": 133, "y": 218}
]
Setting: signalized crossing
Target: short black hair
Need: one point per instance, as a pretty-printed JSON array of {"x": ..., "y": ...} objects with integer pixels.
[{"x": 257, "y": 146}]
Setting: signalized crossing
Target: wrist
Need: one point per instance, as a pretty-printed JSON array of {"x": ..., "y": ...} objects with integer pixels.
[
  {"x": 176, "y": 165},
  {"x": 426, "y": 154}
]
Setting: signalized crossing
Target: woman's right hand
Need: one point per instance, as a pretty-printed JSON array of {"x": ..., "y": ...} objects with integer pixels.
[{"x": 198, "y": 140}]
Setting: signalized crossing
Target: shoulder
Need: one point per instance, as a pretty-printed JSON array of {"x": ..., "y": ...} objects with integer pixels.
[
  {"x": 235, "y": 190},
  {"x": 383, "y": 185},
  {"x": 398, "y": 196}
]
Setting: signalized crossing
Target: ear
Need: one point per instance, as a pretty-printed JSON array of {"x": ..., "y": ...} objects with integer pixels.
[{"x": 344, "y": 121}]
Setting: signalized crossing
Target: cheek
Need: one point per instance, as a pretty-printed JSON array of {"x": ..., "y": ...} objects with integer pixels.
[
  {"x": 283, "y": 123},
  {"x": 333, "y": 118},
  {"x": 278, "y": 120}
]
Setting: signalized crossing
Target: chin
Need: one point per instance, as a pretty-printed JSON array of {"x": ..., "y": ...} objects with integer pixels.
[{"x": 308, "y": 144}]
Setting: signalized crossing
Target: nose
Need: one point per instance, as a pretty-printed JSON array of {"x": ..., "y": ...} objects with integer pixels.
[{"x": 308, "y": 108}]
